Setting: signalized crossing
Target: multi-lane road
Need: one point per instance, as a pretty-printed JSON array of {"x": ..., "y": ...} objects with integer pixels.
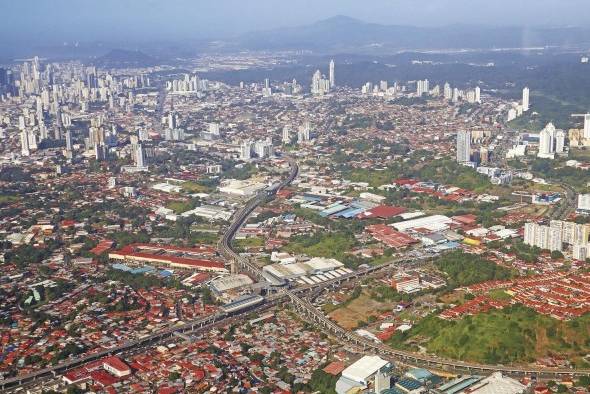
[
  {"x": 297, "y": 300},
  {"x": 311, "y": 313}
]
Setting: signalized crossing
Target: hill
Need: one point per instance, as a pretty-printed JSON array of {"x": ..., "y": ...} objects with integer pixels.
[
  {"x": 342, "y": 33},
  {"x": 122, "y": 58}
]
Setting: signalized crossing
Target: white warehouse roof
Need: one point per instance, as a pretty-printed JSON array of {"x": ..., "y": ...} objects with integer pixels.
[
  {"x": 364, "y": 368},
  {"x": 434, "y": 223}
]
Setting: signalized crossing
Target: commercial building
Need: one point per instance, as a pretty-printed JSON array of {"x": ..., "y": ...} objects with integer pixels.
[
  {"x": 315, "y": 266},
  {"x": 231, "y": 282},
  {"x": 368, "y": 372},
  {"x": 238, "y": 187},
  {"x": 432, "y": 223},
  {"x": 170, "y": 257}
]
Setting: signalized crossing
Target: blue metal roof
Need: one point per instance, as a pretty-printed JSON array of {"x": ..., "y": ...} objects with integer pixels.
[
  {"x": 459, "y": 384},
  {"x": 409, "y": 384},
  {"x": 332, "y": 210},
  {"x": 351, "y": 212}
]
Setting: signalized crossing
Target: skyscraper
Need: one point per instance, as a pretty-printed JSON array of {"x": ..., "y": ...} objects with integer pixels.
[
  {"x": 172, "y": 120},
  {"x": 477, "y": 95},
  {"x": 447, "y": 91},
  {"x": 319, "y": 85},
  {"x": 559, "y": 141},
  {"x": 139, "y": 156},
  {"x": 286, "y": 135},
  {"x": 246, "y": 150},
  {"x": 68, "y": 140},
  {"x": 24, "y": 143},
  {"x": 422, "y": 87},
  {"x": 525, "y": 99},
  {"x": 463, "y": 146},
  {"x": 546, "y": 141},
  {"x": 587, "y": 126},
  {"x": 332, "y": 75}
]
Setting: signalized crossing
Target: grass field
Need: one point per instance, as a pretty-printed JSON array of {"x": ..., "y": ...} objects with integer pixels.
[
  {"x": 334, "y": 245},
  {"x": 358, "y": 310},
  {"x": 514, "y": 335},
  {"x": 194, "y": 187},
  {"x": 7, "y": 199}
]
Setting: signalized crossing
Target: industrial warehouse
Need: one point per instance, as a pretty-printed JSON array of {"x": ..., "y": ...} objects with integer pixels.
[{"x": 197, "y": 258}]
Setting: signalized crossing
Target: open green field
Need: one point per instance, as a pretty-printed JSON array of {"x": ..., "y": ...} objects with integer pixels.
[
  {"x": 463, "y": 269},
  {"x": 514, "y": 335},
  {"x": 334, "y": 245}
]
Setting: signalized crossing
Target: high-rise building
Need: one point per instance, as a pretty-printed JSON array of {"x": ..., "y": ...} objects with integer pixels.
[
  {"x": 544, "y": 237},
  {"x": 214, "y": 128},
  {"x": 581, "y": 252},
  {"x": 319, "y": 84},
  {"x": 555, "y": 239},
  {"x": 547, "y": 141},
  {"x": 463, "y": 146},
  {"x": 286, "y": 134},
  {"x": 263, "y": 148},
  {"x": 332, "y": 74},
  {"x": 100, "y": 152},
  {"x": 172, "y": 120},
  {"x": 139, "y": 156},
  {"x": 68, "y": 140},
  {"x": 456, "y": 95},
  {"x": 525, "y": 99},
  {"x": 447, "y": 91},
  {"x": 246, "y": 150},
  {"x": 422, "y": 87},
  {"x": 587, "y": 126},
  {"x": 477, "y": 95},
  {"x": 24, "y": 143},
  {"x": 584, "y": 202},
  {"x": 559, "y": 141}
]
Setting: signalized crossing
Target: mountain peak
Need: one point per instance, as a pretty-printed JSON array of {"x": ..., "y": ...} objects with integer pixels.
[{"x": 340, "y": 20}]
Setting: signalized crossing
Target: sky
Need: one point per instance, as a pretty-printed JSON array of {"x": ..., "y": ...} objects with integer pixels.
[{"x": 52, "y": 21}]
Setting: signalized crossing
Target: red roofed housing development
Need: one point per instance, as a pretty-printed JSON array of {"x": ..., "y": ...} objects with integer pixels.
[
  {"x": 389, "y": 236},
  {"x": 170, "y": 256}
]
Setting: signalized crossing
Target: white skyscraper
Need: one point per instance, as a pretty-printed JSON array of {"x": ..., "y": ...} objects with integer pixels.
[
  {"x": 319, "y": 84},
  {"x": 477, "y": 94},
  {"x": 525, "y": 99},
  {"x": 246, "y": 150},
  {"x": 559, "y": 141},
  {"x": 139, "y": 156},
  {"x": 68, "y": 140},
  {"x": 422, "y": 87},
  {"x": 286, "y": 135},
  {"x": 463, "y": 146},
  {"x": 332, "y": 75},
  {"x": 24, "y": 143},
  {"x": 447, "y": 91},
  {"x": 587, "y": 126},
  {"x": 546, "y": 141},
  {"x": 530, "y": 233}
]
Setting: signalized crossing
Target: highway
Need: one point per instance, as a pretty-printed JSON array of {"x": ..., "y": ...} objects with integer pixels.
[
  {"x": 567, "y": 205},
  {"x": 300, "y": 304},
  {"x": 308, "y": 311}
]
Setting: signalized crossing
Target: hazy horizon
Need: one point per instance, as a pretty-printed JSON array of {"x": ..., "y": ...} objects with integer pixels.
[{"x": 35, "y": 22}]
